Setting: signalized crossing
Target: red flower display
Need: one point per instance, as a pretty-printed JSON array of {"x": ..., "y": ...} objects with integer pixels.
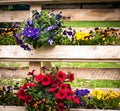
[
  {"x": 43, "y": 90},
  {"x": 61, "y": 94},
  {"x": 61, "y": 76}
]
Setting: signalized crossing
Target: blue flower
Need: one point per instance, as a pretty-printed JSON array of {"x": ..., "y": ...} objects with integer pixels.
[
  {"x": 50, "y": 28},
  {"x": 31, "y": 32}
]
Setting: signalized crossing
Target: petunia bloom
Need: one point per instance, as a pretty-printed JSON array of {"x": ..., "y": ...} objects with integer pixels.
[{"x": 61, "y": 76}]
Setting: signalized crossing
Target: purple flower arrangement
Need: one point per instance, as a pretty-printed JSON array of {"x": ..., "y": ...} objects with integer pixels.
[{"x": 42, "y": 29}]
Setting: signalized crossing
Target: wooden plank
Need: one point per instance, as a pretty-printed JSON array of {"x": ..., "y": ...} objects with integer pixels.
[
  {"x": 75, "y": 14},
  {"x": 62, "y": 53},
  {"x": 14, "y": 16},
  {"x": 22, "y": 108},
  {"x": 91, "y": 14},
  {"x": 79, "y": 73},
  {"x": 4, "y": 2},
  {"x": 35, "y": 66}
]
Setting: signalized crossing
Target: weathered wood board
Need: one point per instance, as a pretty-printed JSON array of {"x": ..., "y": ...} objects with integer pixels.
[{"x": 62, "y": 53}]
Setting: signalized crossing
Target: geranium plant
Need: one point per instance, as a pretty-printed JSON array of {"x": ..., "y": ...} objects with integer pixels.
[{"x": 48, "y": 91}]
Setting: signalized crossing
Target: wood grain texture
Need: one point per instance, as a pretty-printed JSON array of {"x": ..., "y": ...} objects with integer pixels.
[
  {"x": 15, "y": 108},
  {"x": 53, "y": 1},
  {"x": 75, "y": 14},
  {"x": 62, "y": 53}
]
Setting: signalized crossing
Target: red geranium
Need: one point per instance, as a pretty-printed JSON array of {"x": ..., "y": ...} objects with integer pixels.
[
  {"x": 71, "y": 77},
  {"x": 60, "y": 107},
  {"x": 69, "y": 94},
  {"x": 61, "y": 94},
  {"x": 61, "y": 76}
]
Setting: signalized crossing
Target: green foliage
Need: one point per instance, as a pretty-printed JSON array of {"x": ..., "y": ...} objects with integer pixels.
[{"x": 8, "y": 40}]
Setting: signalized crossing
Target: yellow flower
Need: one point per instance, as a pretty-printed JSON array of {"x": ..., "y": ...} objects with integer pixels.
[{"x": 79, "y": 35}]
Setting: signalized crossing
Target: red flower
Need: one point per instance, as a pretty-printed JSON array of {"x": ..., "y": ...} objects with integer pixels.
[
  {"x": 46, "y": 80},
  {"x": 23, "y": 96},
  {"x": 55, "y": 83},
  {"x": 61, "y": 94},
  {"x": 60, "y": 107},
  {"x": 38, "y": 78},
  {"x": 63, "y": 86},
  {"x": 76, "y": 100},
  {"x": 53, "y": 89},
  {"x": 31, "y": 85},
  {"x": 31, "y": 73},
  {"x": 61, "y": 76},
  {"x": 71, "y": 77},
  {"x": 69, "y": 94}
]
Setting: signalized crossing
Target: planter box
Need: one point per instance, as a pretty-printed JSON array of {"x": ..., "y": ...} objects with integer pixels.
[
  {"x": 62, "y": 53},
  {"x": 20, "y": 108}
]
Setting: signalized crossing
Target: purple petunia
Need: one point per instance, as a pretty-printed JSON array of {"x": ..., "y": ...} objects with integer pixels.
[
  {"x": 30, "y": 22},
  {"x": 50, "y": 28},
  {"x": 19, "y": 41},
  {"x": 82, "y": 92},
  {"x": 31, "y": 32},
  {"x": 50, "y": 40}
]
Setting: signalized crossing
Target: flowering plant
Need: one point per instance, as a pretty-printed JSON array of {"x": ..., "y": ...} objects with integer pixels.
[
  {"x": 43, "y": 29},
  {"x": 48, "y": 91}
]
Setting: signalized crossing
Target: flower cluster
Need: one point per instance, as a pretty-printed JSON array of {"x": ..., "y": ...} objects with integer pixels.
[
  {"x": 49, "y": 91},
  {"x": 108, "y": 36},
  {"x": 103, "y": 99},
  {"x": 42, "y": 29}
]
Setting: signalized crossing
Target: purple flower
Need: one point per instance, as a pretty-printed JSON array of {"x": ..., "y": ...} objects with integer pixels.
[
  {"x": 19, "y": 41},
  {"x": 30, "y": 22},
  {"x": 37, "y": 14},
  {"x": 31, "y": 32},
  {"x": 59, "y": 16},
  {"x": 15, "y": 25},
  {"x": 50, "y": 28},
  {"x": 82, "y": 92},
  {"x": 25, "y": 47},
  {"x": 50, "y": 40},
  {"x": 65, "y": 32}
]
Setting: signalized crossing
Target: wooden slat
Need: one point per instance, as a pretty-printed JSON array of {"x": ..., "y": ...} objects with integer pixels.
[
  {"x": 4, "y": 2},
  {"x": 14, "y": 16},
  {"x": 75, "y": 14},
  {"x": 62, "y": 53}
]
